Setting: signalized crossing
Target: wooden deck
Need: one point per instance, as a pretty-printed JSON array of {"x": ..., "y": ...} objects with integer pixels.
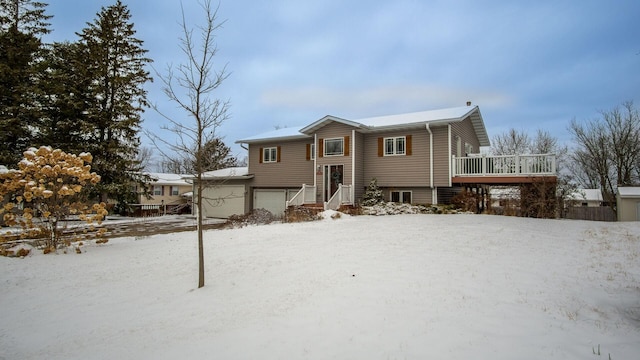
[
  {"x": 503, "y": 180},
  {"x": 504, "y": 169}
]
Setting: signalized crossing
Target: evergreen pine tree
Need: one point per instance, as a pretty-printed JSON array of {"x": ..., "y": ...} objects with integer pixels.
[
  {"x": 373, "y": 195},
  {"x": 115, "y": 62},
  {"x": 22, "y": 22},
  {"x": 63, "y": 123}
]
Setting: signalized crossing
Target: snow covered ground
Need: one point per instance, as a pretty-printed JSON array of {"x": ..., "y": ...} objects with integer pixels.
[{"x": 366, "y": 287}]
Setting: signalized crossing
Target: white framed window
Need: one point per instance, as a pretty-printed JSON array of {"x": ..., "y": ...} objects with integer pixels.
[
  {"x": 312, "y": 152},
  {"x": 157, "y": 190},
  {"x": 395, "y": 145},
  {"x": 175, "y": 191},
  {"x": 270, "y": 155},
  {"x": 334, "y": 147},
  {"x": 401, "y": 196}
]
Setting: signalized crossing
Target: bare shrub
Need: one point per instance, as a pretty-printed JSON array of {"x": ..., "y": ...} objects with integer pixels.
[
  {"x": 466, "y": 201},
  {"x": 350, "y": 210},
  {"x": 301, "y": 214},
  {"x": 255, "y": 217}
]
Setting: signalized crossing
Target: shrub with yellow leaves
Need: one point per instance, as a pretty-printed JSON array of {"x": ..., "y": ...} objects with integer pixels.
[{"x": 48, "y": 188}]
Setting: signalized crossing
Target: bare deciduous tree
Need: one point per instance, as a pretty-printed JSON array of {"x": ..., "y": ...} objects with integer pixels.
[
  {"x": 216, "y": 155},
  {"x": 541, "y": 197},
  {"x": 511, "y": 143},
  {"x": 191, "y": 85},
  {"x": 607, "y": 152},
  {"x": 144, "y": 157}
]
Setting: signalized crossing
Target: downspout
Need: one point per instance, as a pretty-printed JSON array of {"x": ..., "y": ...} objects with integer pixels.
[
  {"x": 449, "y": 137},
  {"x": 434, "y": 195},
  {"x": 315, "y": 161},
  {"x": 248, "y": 202},
  {"x": 430, "y": 155},
  {"x": 353, "y": 164}
]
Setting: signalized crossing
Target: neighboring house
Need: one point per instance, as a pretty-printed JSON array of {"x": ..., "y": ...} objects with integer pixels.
[
  {"x": 504, "y": 198},
  {"x": 628, "y": 199},
  {"x": 170, "y": 193},
  {"x": 410, "y": 155},
  {"x": 586, "y": 198}
]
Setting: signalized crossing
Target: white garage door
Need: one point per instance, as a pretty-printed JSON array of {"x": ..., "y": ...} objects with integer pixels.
[
  {"x": 223, "y": 201},
  {"x": 272, "y": 200}
]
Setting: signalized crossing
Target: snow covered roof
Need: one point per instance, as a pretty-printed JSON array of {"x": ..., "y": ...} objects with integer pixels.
[
  {"x": 241, "y": 172},
  {"x": 629, "y": 191},
  {"x": 168, "y": 179},
  {"x": 586, "y": 194},
  {"x": 384, "y": 123},
  {"x": 289, "y": 133}
]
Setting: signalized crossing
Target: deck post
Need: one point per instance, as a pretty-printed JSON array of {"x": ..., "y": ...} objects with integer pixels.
[
  {"x": 453, "y": 165},
  {"x": 484, "y": 165}
]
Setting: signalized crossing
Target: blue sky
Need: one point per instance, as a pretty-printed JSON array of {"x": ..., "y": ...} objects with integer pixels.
[{"x": 527, "y": 64}]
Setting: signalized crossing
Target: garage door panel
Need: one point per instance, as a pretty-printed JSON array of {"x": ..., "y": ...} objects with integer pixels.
[
  {"x": 223, "y": 201},
  {"x": 272, "y": 200}
]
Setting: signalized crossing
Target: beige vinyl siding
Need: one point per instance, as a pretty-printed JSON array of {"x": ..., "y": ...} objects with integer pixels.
[
  {"x": 467, "y": 134},
  {"x": 441, "y": 155},
  {"x": 399, "y": 170},
  {"x": 292, "y": 170},
  {"x": 331, "y": 131},
  {"x": 419, "y": 195}
]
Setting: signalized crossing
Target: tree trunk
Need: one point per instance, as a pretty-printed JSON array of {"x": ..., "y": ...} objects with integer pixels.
[{"x": 199, "y": 226}]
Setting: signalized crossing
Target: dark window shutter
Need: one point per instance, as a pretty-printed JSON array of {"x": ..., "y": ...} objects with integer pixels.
[
  {"x": 308, "y": 151},
  {"x": 408, "y": 145},
  {"x": 162, "y": 187},
  {"x": 380, "y": 146},
  {"x": 346, "y": 146},
  {"x": 278, "y": 154},
  {"x": 321, "y": 148},
  {"x": 261, "y": 155}
]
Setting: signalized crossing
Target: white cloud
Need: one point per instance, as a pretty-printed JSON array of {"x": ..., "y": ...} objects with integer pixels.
[{"x": 392, "y": 98}]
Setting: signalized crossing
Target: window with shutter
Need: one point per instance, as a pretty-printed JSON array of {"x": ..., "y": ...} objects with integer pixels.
[
  {"x": 270, "y": 155},
  {"x": 395, "y": 146},
  {"x": 311, "y": 153},
  {"x": 334, "y": 147}
]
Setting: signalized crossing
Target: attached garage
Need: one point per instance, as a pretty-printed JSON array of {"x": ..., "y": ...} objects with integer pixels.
[
  {"x": 225, "y": 192},
  {"x": 223, "y": 201}
]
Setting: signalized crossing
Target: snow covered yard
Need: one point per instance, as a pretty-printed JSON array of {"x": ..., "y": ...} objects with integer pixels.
[{"x": 366, "y": 287}]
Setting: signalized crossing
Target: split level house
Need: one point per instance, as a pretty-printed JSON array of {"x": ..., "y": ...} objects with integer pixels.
[{"x": 421, "y": 158}]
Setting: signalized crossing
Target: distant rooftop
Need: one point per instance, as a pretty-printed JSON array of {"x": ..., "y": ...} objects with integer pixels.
[
  {"x": 629, "y": 191},
  {"x": 167, "y": 179}
]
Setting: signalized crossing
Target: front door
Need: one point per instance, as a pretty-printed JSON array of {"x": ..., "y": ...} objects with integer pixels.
[{"x": 332, "y": 179}]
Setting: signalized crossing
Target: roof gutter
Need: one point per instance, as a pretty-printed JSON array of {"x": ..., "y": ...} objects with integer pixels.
[{"x": 430, "y": 155}]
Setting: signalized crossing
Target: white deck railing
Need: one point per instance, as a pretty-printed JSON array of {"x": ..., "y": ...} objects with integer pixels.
[
  {"x": 306, "y": 195},
  {"x": 504, "y": 165},
  {"x": 342, "y": 196}
]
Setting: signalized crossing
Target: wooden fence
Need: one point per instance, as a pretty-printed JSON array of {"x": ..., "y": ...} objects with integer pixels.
[{"x": 594, "y": 213}]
